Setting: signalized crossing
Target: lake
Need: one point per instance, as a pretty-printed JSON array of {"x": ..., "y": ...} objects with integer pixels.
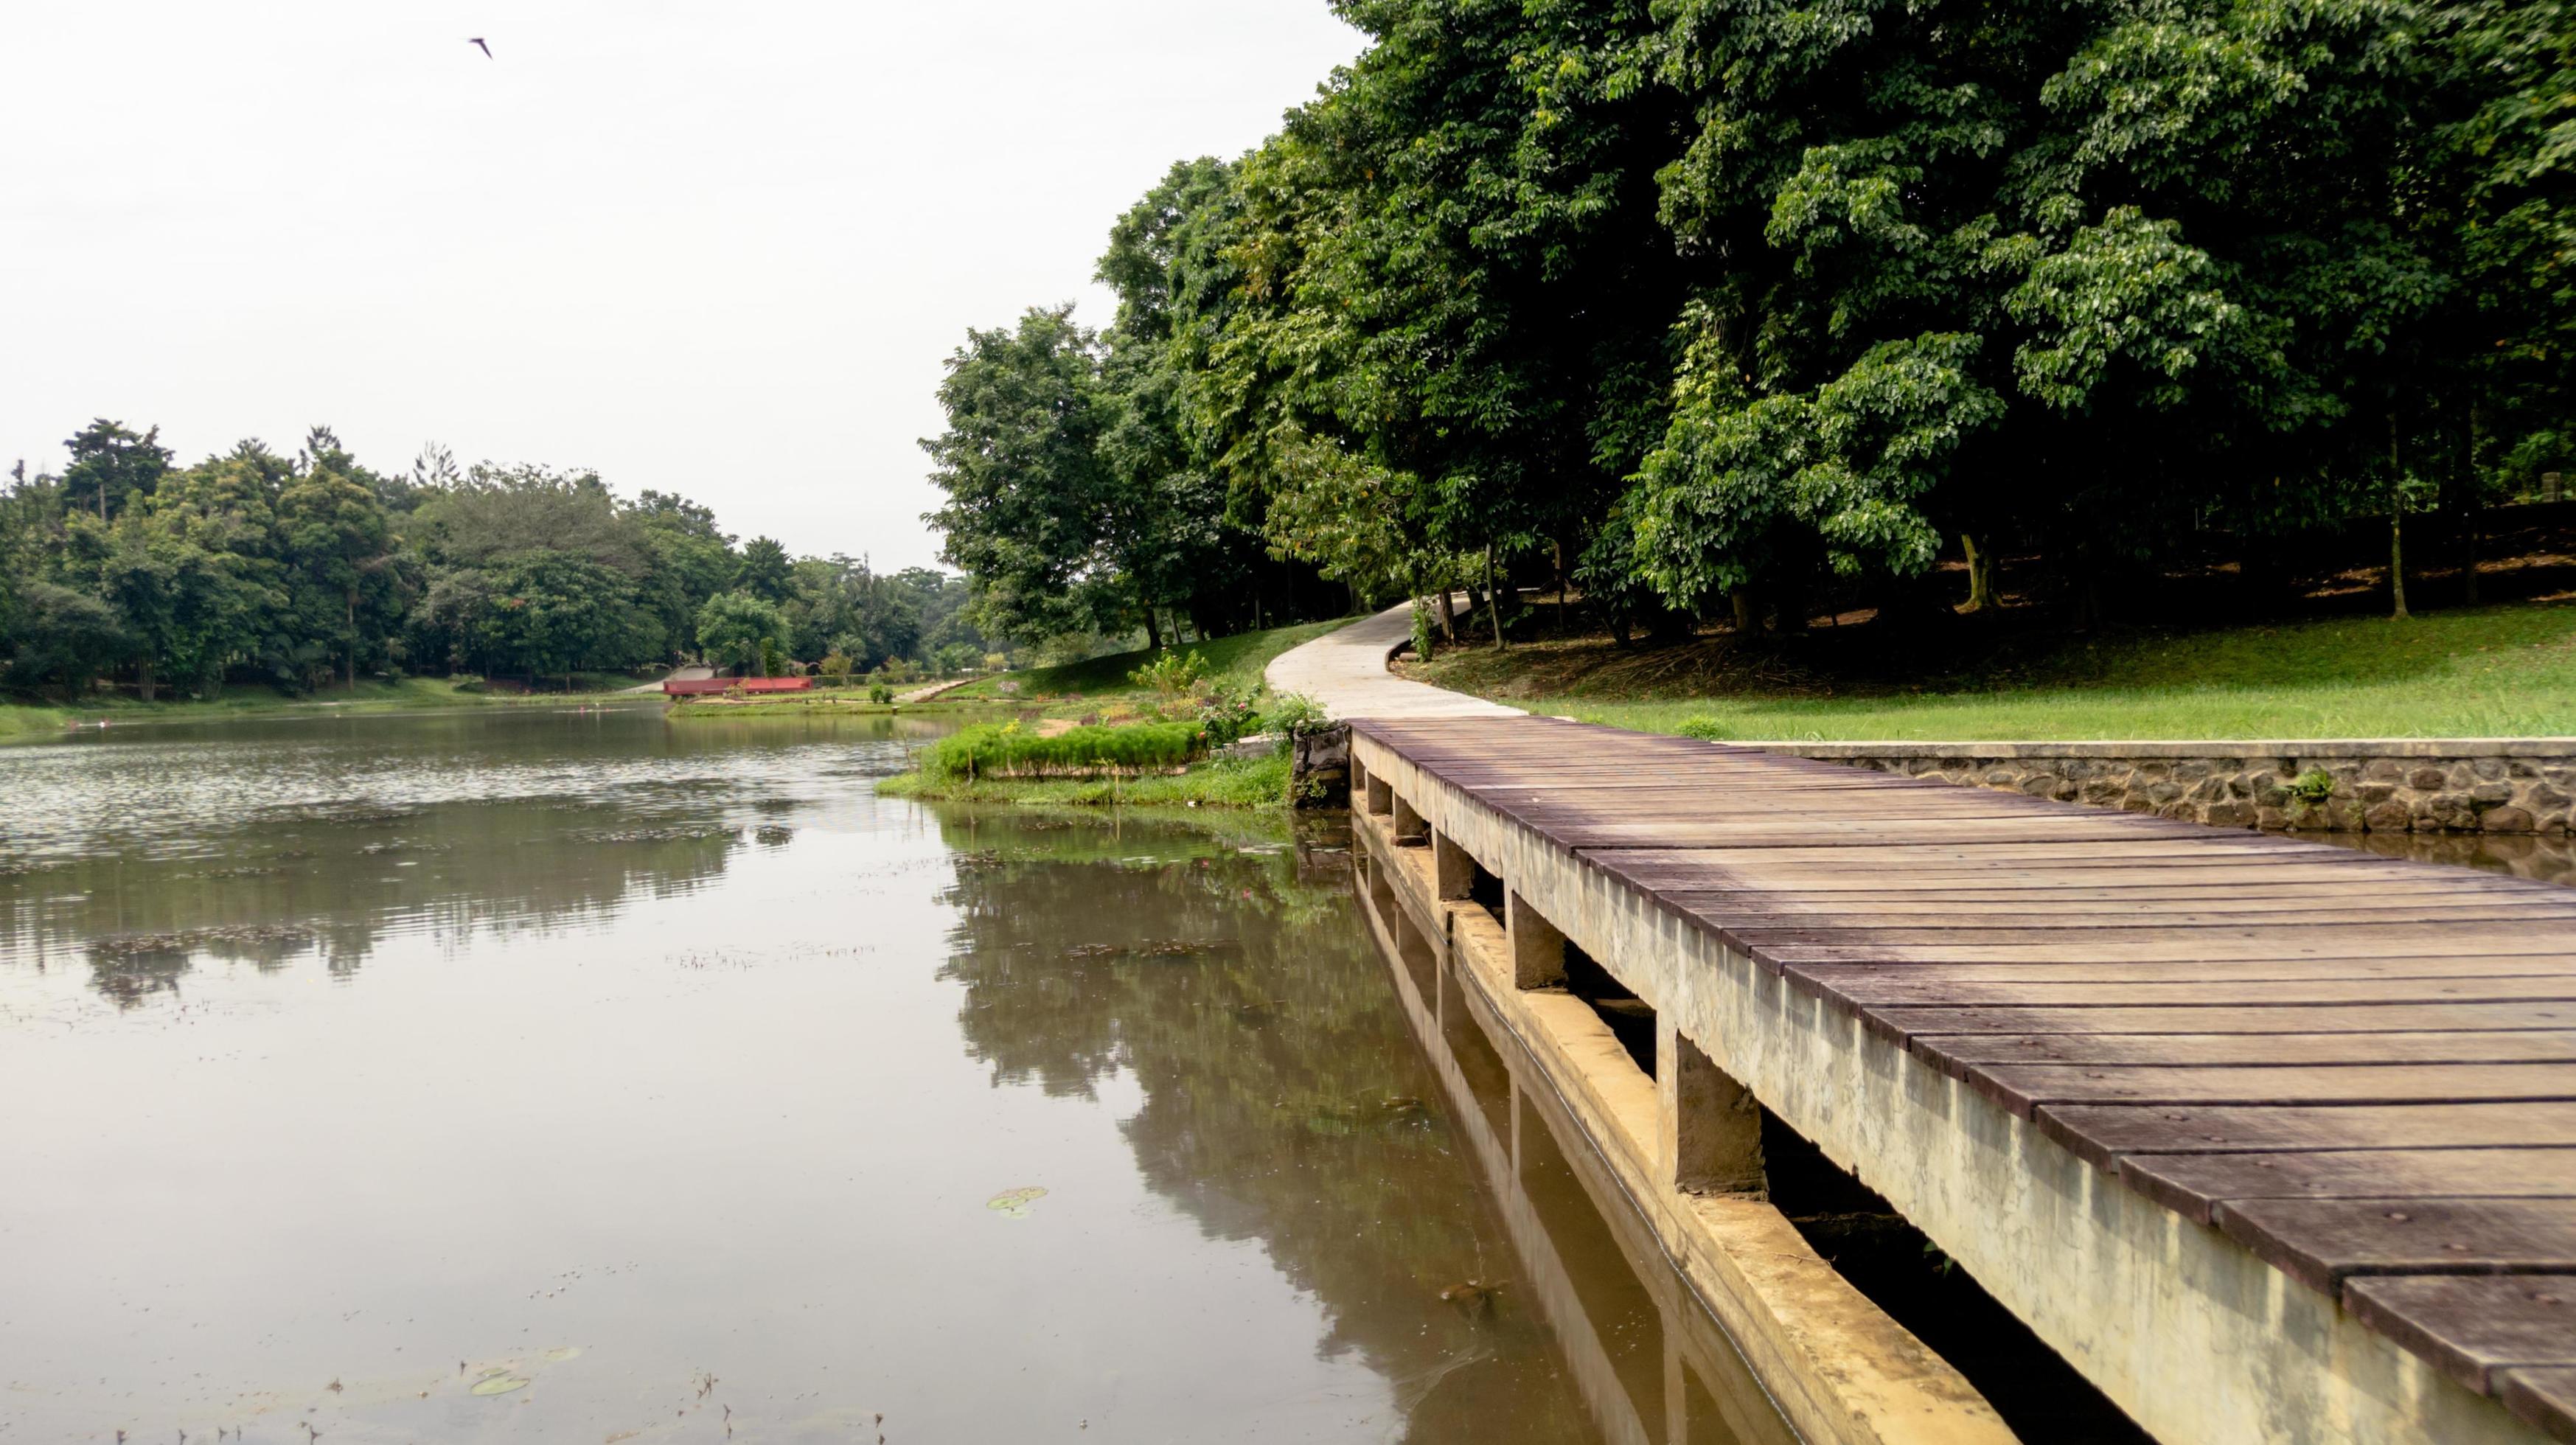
[{"x": 516, "y": 1074}]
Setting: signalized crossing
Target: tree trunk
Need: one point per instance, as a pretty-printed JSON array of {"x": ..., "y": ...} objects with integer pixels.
[
  {"x": 1494, "y": 595},
  {"x": 1153, "y": 630},
  {"x": 1748, "y": 616},
  {"x": 1560, "y": 586},
  {"x": 1448, "y": 616},
  {"x": 143, "y": 684},
  {"x": 2471, "y": 513},
  {"x": 351, "y": 651},
  {"x": 1981, "y": 573},
  {"x": 2396, "y": 525}
]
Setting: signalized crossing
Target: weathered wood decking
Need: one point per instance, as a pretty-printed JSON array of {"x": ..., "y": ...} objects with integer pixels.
[{"x": 2361, "y": 1070}]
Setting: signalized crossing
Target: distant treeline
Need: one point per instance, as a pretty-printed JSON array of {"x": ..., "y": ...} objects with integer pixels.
[
  {"x": 254, "y": 566},
  {"x": 1724, "y": 307}
]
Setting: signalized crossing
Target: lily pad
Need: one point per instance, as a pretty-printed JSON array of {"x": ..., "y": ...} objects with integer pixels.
[
  {"x": 500, "y": 1384},
  {"x": 1014, "y": 1203},
  {"x": 562, "y": 1352}
]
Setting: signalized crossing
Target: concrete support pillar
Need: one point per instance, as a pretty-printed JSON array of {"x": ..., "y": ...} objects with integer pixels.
[
  {"x": 1676, "y": 1386},
  {"x": 1359, "y": 778},
  {"x": 1711, "y": 1126},
  {"x": 1453, "y": 872},
  {"x": 1538, "y": 950},
  {"x": 1409, "y": 825}
]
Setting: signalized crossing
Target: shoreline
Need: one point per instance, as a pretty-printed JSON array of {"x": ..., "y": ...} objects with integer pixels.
[{"x": 1238, "y": 784}]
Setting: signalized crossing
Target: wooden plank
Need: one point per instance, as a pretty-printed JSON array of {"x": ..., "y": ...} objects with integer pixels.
[
  {"x": 2104, "y": 1133},
  {"x": 2072, "y": 968},
  {"x": 1952, "y": 1053},
  {"x": 2524, "y": 948},
  {"x": 2326, "y": 904},
  {"x": 2472, "y": 1326},
  {"x": 2021, "y": 1088},
  {"x": 2542, "y": 1398},
  {"x": 1968, "y": 919},
  {"x": 1908, "y": 1022},
  {"x": 1855, "y": 833},
  {"x": 1930, "y": 984},
  {"x": 2007, "y": 878},
  {"x": 2322, "y": 1242},
  {"x": 2193, "y": 1184},
  {"x": 2346, "y": 862}
]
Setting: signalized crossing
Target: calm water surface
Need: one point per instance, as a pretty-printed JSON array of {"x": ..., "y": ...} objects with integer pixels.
[{"x": 553, "y": 1076}]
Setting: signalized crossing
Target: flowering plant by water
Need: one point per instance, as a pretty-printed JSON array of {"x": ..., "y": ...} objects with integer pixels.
[{"x": 1226, "y": 713}]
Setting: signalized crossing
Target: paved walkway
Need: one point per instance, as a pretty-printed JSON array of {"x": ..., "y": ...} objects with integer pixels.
[
  {"x": 925, "y": 694},
  {"x": 1345, "y": 670}
]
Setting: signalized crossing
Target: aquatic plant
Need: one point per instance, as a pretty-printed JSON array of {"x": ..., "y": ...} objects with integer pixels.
[{"x": 1009, "y": 750}]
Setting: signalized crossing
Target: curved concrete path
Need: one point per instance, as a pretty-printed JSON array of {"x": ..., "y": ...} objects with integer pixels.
[{"x": 1345, "y": 670}]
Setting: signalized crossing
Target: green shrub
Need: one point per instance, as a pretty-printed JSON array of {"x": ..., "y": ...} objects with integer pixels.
[
  {"x": 879, "y": 692},
  {"x": 2313, "y": 786},
  {"x": 1007, "y": 749},
  {"x": 1292, "y": 714},
  {"x": 1225, "y": 713},
  {"x": 1173, "y": 674},
  {"x": 1707, "y": 729}
]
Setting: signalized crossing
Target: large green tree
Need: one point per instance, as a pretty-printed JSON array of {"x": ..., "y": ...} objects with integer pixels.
[
  {"x": 738, "y": 629},
  {"x": 340, "y": 556},
  {"x": 1028, "y": 486},
  {"x": 111, "y": 466}
]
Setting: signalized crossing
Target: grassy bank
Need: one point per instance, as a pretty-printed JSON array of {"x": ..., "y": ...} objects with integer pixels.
[
  {"x": 2472, "y": 672},
  {"x": 1100, "y": 684},
  {"x": 22, "y": 721},
  {"x": 1224, "y": 783},
  {"x": 808, "y": 704}
]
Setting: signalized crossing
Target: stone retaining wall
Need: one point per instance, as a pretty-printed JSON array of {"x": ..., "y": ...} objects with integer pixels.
[
  {"x": 1319, "y": 768},
  {"x": 2394, "y": 785}
]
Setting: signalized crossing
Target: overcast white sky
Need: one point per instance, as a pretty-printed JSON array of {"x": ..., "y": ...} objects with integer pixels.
[{"x": 714, "y": 249}]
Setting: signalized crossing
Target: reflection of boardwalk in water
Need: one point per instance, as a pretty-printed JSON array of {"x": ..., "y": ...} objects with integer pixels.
[{"x": 1649, "y": 1361}]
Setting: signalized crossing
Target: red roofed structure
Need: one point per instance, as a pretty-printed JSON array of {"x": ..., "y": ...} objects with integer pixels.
[{"x": 718, "y": 686}]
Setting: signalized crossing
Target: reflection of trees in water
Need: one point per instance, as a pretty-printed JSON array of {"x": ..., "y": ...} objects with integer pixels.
[
  {"x": 335, "y": 887},
  {"x": 1284, "y": 1100},
  {"x": 189, "y": 841}
]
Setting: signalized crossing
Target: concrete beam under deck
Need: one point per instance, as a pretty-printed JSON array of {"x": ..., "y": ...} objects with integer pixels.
[
  {"x": 1839, "y": 1369},
  {"x": 2186, "y": 1330}
]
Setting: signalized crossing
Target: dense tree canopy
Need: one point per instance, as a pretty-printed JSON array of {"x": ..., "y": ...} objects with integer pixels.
[
  {"x": 298, "y": 571},
  {"x": 1712, "y": 303}
]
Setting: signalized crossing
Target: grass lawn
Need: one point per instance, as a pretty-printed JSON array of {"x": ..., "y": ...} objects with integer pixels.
[
  {"x": 1224, "y": 783},
  {"x": 2507, "y": 671},
  {"x": 21, "y": 722},
  {"x": 1100, "y": 684}
]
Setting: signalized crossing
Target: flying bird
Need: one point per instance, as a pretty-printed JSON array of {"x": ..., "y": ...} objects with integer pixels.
[{"x": 477, "y": 43}]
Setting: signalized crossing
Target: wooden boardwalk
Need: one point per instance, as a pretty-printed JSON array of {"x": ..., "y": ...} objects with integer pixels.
[{"x": 2362, "y": 1070}]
